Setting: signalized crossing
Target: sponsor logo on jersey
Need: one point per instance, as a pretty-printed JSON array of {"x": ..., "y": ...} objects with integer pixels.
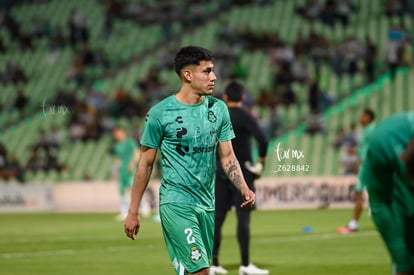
[
  {"x": 195, "y": 254},
  {"x": 179, "y": 119},
  {"x": 204, "y": 149},
  {"x": 211, "y": 117}
]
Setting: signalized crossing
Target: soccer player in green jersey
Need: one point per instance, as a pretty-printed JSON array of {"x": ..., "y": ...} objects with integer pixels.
[
  {"x": 389, "y": 175},
  {"x": 127, "y": 153},
  {"x": 187, "y": 128},
  {"x": 366, "y": 119}
]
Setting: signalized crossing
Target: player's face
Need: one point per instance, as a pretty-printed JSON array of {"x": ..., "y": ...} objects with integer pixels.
[
  {"x": 202, "y": 78},
  {"x": 118, "y": 134},
  {"x": 364, "y": 119}
]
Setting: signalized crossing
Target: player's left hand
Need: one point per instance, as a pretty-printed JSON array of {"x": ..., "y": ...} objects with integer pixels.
[
  {"x": 131, "y": 226},
  {"x": 249, "y": 197}
]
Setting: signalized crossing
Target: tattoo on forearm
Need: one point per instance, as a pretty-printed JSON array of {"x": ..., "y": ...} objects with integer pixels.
[{"x": 233, "y": 172}]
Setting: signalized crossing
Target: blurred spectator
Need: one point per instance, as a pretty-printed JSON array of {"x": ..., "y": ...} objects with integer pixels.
[
  {"x": 12, "y": 73},
  {"x": 283, "y": 54},
  {"x": 311, "y": 10},
  {"x": 406, "y": 55},
  {"x": 42, "y": 140},
  {"x": 107, "y": 123},
  {"x": 52, "y": 162},
  {"x": 314, "y": 95},
  {"x": 100, "y": 58},
  {"x": 283, "y": 75},
  {"x": 349, "y": 161},
  {"x": 300, "y": 72},
  {"x": 329, "y": 12},
  {"x": 370, "y": 59},
  {"x": 343, "y": 11},
  {"x": 77, "y": 130},
  {"x": 78, "y": 28},
  {"x": 86, "y": 54},
  {"x": 53, "y": 137},
  {"x": 57, "y": 38},
  {"x": 288, "y": 95},
  {"x": 275, "y": 122},
  {"x": 391, "y": 54},
  {"x": 326, "y": 100},
  {"x": 315, "y": 123},
  {"x": 151, "y": 80},
  {"x": 353, "y": 51},
  {"x": 300, "y": 45},
  {"x": 41, "y": 159},
  {"x": 95, "y": 100},
  {"x": 16, "y": 168},
  {"x": 67, "y": 99},
  {"x": 352, "y": 138},
  {"x": 10, "y": 167},
  {"x": 340, "y": 138},
  {"x": 336, "y": 58},
  {"x": 14, "y": 29},
  {"x": 21, "y": 100},
  {"x": 76, "y": 70},
  {"x": 395, "y": 8},
  {"x": 35, "y": 162}
]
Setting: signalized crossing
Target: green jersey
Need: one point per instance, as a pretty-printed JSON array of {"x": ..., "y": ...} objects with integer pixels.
[
  {"x": 364, "y": 142},
  {"x": 125, "y": 151},
  {"x": 391, "y": 194},
  {"x": 187, "y": 137}
]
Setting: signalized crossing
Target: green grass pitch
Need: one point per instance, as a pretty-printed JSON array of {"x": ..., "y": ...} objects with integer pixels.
[{"x": 95, "y": 244}]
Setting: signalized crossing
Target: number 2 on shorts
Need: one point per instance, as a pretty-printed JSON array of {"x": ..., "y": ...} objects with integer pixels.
[{"x": 189, "y": 233}]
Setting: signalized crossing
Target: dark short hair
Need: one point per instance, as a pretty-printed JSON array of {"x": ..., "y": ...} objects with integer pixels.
[
  {"x": 234, "y": 91},
  {"x": 370, "y": 113},
  {"x": 191, "y": 55}
]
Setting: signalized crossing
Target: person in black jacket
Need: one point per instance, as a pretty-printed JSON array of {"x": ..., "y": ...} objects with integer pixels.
[{"x": 245, "y": 126}]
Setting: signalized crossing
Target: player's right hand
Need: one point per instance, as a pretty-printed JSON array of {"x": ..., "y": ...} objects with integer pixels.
[{"x": 131, "y": 226}]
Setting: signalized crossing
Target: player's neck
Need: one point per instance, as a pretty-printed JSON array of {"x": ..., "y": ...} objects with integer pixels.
[{"x": 188, "y": 96}]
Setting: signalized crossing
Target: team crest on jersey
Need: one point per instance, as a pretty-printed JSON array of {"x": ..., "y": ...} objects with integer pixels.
[
  {"x": 195, "y": 254},
  {"x": 211, "y": 116}
]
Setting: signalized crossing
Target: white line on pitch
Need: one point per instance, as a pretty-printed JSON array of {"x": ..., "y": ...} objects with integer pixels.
[
  {"x": 66, "y": 252},
  {"x": 42, "y": 239}
]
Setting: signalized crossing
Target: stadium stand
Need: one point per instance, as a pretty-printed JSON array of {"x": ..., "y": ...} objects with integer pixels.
[{"x": 130, "y": 47}]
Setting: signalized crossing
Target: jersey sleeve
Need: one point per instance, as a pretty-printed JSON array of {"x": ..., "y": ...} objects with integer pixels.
[
  {"x": 152, "y": 132},
  {"x": 226, "y": 129}
]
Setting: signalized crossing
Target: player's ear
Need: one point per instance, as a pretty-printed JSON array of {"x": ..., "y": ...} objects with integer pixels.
[{"x": 187, "y": 75}]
